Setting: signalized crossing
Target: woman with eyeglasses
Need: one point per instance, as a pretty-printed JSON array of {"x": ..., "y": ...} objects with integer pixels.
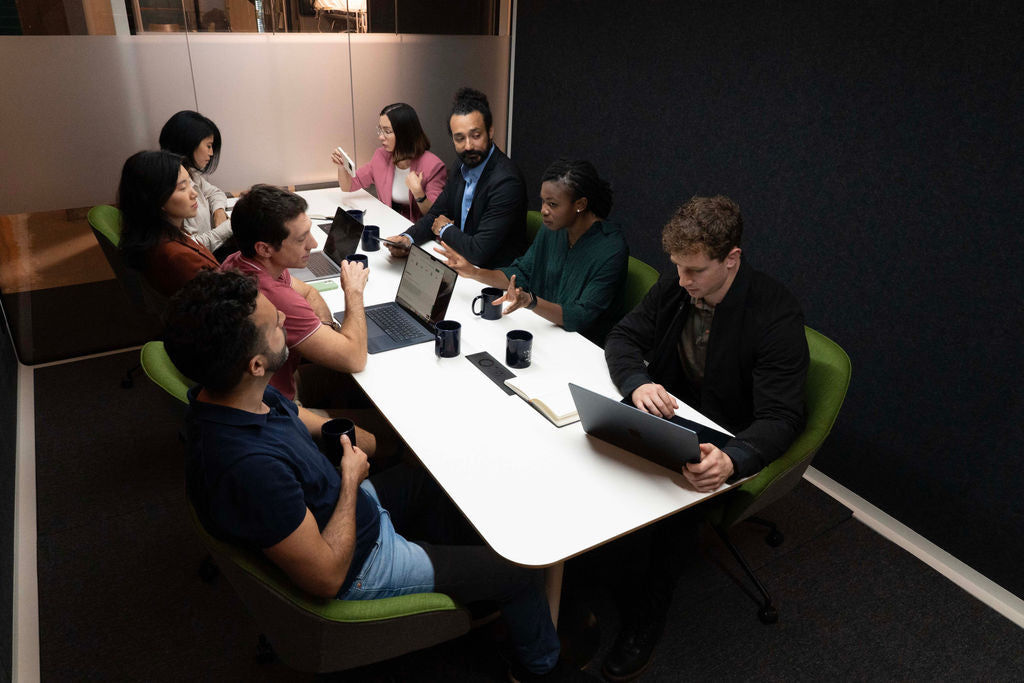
[
  {"x": 156, "y": 197},
  {"x": 407, "y": 176},
  {"x": 197, "y": 140}
]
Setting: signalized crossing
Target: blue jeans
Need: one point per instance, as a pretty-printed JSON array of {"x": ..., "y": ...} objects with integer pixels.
[{"x": 450, "y": 559}]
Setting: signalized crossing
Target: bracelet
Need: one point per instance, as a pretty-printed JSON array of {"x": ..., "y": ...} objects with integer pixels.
[{"x": 420, "y": 199}]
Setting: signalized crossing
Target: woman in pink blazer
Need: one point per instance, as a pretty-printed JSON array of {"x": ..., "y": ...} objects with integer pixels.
[{"x": 407, "y": 176}]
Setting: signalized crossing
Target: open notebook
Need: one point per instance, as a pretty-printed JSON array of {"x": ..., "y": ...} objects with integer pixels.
[{"x": 550, "y": 397}]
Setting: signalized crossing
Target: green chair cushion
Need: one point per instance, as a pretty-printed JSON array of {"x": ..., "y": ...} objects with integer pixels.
[
  {"x": 533, "y": 224},
  {"x": 107, "y": 221},
  {"x": 159, "y": 368}
]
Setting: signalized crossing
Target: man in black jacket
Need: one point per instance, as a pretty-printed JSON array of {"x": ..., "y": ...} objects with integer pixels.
[
  {"x": 727, "y": 340},
  {"x": 481, "y": 212}
]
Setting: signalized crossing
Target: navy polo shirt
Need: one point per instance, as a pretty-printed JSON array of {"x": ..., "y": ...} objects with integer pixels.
[{"x": 251, "y": 477}]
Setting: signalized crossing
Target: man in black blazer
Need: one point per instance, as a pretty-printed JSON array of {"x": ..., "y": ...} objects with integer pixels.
[{"x": 481, "y": 213}]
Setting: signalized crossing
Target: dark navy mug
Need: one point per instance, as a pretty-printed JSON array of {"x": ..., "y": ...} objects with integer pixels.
[
  {"x": 330, "y": 436},
  {"x": 518, "y": 349},
  {"x": 371, "y": 238},
  {"x": 488, "y": 311},
  {"x": 447, "y": 338}
]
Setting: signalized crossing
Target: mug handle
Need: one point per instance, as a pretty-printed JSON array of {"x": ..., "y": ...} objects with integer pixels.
[{"x": 472, "y": 306}]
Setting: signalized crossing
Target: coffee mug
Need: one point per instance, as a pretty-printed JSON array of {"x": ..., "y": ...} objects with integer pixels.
[
  {"x": 447, "y": 338},
  {"x": 359, "y": 258},
  {"x": 331, "y": 433},
  {"x": 356, "y": 213},
  {"x": 518, "y": 348},
  {"x": 488, "y": 311},
  {"x": 371, "y": 238}
]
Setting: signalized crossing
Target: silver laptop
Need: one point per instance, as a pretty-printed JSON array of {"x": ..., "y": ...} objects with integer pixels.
[
  {"x": 343, "y": 236},
  {"x": 422, "y": 300},
  {"x": 665, "y": 442}
]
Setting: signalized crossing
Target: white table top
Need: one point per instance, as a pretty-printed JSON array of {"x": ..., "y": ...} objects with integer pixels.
[{"x": 538, "y": 494}]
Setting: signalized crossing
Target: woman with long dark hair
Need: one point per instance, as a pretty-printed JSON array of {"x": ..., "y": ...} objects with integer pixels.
[
  {"x": 408, "y": 177},
  {"x": 196, "y": 139},
  {"x": 156, "y": 197},
  {"x": 574, "y": 272}
]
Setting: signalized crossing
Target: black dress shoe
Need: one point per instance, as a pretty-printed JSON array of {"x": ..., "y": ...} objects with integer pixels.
[{"x": 632, "y": 650}]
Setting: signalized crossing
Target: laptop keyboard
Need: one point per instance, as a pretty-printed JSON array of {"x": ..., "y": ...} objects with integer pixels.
[
  {"x": 320, "y": 265},
  {"x": 393, "y": 320}
]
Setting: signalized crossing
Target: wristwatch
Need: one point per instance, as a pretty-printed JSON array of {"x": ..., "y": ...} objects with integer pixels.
[
  {"x": 533, "y": 302},
  {"x": 421, "y": 199}
]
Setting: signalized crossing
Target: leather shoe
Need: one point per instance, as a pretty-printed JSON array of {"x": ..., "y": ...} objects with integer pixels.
[{"x": 631, "y": 653}]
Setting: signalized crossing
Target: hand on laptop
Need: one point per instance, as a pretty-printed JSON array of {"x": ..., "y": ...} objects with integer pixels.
[
  {"x": 652, "y": 398},
  {"x": 712, "y": 470},
  {"x": 353, "y": 277},
  {"x": 399, "y": 252}
]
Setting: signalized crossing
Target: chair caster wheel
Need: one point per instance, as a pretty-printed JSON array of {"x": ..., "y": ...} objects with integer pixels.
[
  {"x": 264, "y": 651},
  {"x": 774, "y": 538},
  {"x": 208, "y": 571},
  {"x": 768, "y": 615}
]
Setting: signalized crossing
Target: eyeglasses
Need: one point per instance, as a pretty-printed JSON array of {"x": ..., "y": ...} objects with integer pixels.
[{"x": 384, "y": 131}]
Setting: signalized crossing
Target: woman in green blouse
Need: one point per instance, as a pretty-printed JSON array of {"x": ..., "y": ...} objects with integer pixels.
[{"x": 574, "y": 272}]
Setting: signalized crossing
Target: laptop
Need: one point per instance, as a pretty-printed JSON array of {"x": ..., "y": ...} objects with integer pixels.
[
  {"x": 422, "y": 300},
  {"x": 343, "y": 236},
  {"x": 669, "y": 443}
]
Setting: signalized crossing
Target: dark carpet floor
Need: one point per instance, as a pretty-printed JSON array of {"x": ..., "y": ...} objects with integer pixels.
[{"x": 120, "y": 596}]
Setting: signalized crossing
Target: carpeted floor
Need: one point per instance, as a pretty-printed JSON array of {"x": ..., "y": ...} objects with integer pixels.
[{"x": 120, "y": 597}]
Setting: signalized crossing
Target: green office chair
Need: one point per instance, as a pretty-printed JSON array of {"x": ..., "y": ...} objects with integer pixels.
[
  {"x": 533, "y": 225},
  {"x": 640, "y": 277},
  {"x": 828, "y": 378},
  {"x": 311, "y": 634}
]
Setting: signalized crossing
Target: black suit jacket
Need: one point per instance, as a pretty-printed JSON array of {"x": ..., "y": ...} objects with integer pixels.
[
  {"x": 495, "y": 230},
  {"x": 756, "y": 361}
]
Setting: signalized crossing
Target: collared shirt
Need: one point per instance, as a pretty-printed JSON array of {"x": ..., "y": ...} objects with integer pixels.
[
  {"x": 300, "y": 319},
  {"x": 472, "y": 177},
  {"x": 252, "y": 476},
  {"x": 693, "y": 342}
]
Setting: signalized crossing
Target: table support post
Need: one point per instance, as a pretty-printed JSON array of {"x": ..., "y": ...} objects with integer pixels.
[{"x": 553, "y": 588}]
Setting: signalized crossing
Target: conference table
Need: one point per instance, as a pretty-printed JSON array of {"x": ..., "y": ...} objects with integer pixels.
[{"x": 536, "y": 493}]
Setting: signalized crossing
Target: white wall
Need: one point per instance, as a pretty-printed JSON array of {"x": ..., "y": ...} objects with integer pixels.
[{"x": 75, "y": 107}]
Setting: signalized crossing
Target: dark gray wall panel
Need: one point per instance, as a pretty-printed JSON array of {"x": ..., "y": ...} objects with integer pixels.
[
  {"x": 875, "y": 150},
  {"x": 8, "y": 456}
]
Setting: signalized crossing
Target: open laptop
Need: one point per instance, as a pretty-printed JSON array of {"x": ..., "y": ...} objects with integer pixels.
[
  {"x": 669, "y": 443},
  {"x": 343, "y": 236},
  {"x": 422, "y": 300}
]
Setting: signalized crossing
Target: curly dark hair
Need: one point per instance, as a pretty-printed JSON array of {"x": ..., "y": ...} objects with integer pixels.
[
  {"x": 260, "y": 216},
  {"x": 209, "y": 332},
  {"x": 467, "y": 101},
  {"x": 710, "y": 224},
  {"x": 582, "y": 180}
]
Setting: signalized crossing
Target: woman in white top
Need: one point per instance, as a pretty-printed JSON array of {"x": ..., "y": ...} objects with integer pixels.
[{"x": 197, "y": 139}]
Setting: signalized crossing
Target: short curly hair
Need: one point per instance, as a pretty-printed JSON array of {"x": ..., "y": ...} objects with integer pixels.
[
  {"x": 209, "y": 332},
  {"x": 713, "y": 225}
]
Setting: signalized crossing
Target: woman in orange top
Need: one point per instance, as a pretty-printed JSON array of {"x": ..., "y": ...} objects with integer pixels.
[{"x": 155, "y": 196}]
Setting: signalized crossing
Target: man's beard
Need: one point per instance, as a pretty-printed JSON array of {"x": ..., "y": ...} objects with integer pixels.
[
  {"x": 474, "y": 158},
  {"x": 276, "y": 361}
]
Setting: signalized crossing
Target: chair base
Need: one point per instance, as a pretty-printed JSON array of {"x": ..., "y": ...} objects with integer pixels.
[{"x": 766, "y": 611}]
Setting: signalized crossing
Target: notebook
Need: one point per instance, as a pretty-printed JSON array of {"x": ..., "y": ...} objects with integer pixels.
[
  {"x": 422, "y": 300},
  {"x": 342, "y": 239},
  {"x": 664, "y": 442}
]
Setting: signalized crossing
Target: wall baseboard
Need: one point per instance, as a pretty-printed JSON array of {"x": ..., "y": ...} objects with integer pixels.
[
  {"x": 981, "y": 587},
  {"x": 26, "y": 582}
]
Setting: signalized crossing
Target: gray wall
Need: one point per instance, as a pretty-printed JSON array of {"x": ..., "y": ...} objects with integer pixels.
[{"x": 874, "y": 148}]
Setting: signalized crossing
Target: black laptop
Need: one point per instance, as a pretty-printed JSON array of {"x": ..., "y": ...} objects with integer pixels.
[
  {"x": 669, "y": 443},
  {"x": 343, "y": 235},
  {"x": 422, "y": 300}
]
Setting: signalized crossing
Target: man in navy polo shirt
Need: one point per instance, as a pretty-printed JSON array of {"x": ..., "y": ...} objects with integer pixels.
[{"x": 257, "y": 479}]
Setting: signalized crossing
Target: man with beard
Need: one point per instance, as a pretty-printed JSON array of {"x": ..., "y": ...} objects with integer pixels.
[
  {"x": 256, "y": 479},
  {"x": 481, "y": 213}
]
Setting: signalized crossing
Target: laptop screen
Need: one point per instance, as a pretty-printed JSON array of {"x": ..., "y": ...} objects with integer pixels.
[
  {"x": 343, "y": 236},
  {"x": 426, "y": 287}
]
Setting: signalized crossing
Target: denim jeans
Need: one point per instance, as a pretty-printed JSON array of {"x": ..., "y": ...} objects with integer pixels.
[{"x": 449, "y": 557}]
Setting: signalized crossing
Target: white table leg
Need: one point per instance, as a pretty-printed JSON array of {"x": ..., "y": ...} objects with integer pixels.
[{"x": 553, "y": 588}]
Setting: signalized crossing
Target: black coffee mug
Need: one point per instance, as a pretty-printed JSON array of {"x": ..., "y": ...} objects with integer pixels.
[
  {"x": 331, "y": 434},
  {"x": 488, "y": 311},
  {"x": 371, "y": 238},
  {"x": 359, "y": 258},
  {"x": 518, "y": 348},
  {"x": 447, "y": 338},
  {"x": 356, "y": 213}
]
